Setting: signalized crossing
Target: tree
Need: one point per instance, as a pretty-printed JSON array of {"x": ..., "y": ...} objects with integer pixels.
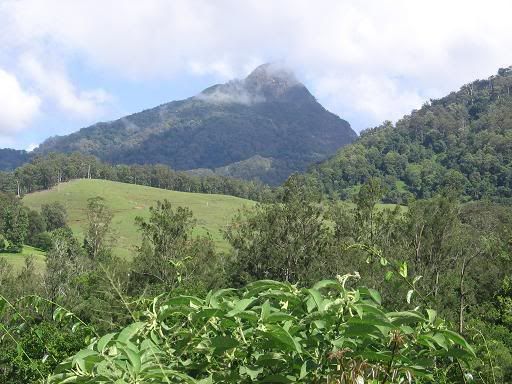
[
  {"x": 289, "y": 241},
  {"x": 13, "y": 222},
  {"x": 169, "y": 255},
  {"x": 98, "y": 232},
  {"x": 36, "y": 227},
  {"x": 64, "y": 262},
  {"x": 54, "y": 215}
]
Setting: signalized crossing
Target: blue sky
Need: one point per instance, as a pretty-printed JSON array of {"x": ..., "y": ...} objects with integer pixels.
[{"x": 67, "y": 64}]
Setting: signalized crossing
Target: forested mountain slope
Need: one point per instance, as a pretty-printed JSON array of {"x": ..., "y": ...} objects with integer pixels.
[
  {"x": 269, "y": 115},
  {"x": 12, "y": 158},
  {"x": 463, "y": 140}
]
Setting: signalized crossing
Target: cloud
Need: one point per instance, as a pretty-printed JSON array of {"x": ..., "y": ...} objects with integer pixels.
[
  {"x": 370, "y": 59},
  {"x": 55, "y": 85},
  {"x": 31, "y": 147},
  {"x": 232, "y": 92},
  {"x": 18, "y": 107}
]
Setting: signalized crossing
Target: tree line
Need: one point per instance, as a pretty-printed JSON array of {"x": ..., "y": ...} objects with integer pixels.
[{"x": 45, "y": 172}]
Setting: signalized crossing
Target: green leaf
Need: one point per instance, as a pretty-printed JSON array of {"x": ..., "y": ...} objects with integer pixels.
[
  {"x": 271, "y": 359},
  {"x": 403, "y": 269},
  {"x": 389, "y": 275},
  {"x": 409, "y": 295},
  {"x": 303, "y": 370},
  {"x": 440, "y": 339},
  {"x": 240, "y": 306},
  {"x": 134, "y": 359},
  {"x": 251, "y": 372},
  {"x": 459, "y": 340},
  {"x": 375, "y": 296},
  {"x": 317, "y": 299},
  {"x": 278, "y": 317},
  {"x": 130, "y": 331},
  {"x": 283, "y": 337},
  {"x": 405, "y": 317},
  {"x": 103, "y": 342},
  {"x": 223, "y": 343},
  {"x": 184, "y": 300},
  {"x": 432, "y": 314},
  {"x": 327, "y": 284},
  {"x": 265, "y": 310},
  {"x": 276, "y": 379}
]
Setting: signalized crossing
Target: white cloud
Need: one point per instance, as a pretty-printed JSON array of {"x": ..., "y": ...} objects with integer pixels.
[
  {"x": 18, "y": 107},
  {"x": 55, "y": 85},
  {"x": 373, "y": 58},
  {"x": 31, "y": 147}
]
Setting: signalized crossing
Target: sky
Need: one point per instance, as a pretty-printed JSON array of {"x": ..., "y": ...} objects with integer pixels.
[{"x": 68, "y": 64}]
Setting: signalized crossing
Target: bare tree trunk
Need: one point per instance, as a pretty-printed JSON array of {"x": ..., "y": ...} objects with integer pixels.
[{"x": 461, "y": 298}]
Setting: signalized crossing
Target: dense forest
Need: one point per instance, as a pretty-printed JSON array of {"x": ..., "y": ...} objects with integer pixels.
[
  {"x": 322, "y": 290},
  {"x": 463, "y": 140}
]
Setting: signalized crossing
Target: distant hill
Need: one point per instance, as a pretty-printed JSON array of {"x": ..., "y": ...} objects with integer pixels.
[
  {"x": 265, "y": 126},
  {"x": 212, "y": 212},
  {"x": 462, "y": 141},
  {"x": 12, "y": 158}
]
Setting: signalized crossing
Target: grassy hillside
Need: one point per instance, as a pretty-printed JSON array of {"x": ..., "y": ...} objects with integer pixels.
[
  {"x": 127, "y": 201},
  {"x": 17, "y": 260}
]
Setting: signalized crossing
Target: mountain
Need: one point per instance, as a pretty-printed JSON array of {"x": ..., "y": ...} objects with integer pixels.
[
  {"x": 462, "y": 141},
  {"x": 265, "y": 126}
]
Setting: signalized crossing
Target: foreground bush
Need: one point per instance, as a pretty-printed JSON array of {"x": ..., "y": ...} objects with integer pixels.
[{"x": 273, "y": 332}]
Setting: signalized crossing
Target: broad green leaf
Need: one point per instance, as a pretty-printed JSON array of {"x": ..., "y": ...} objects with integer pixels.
[
  {"x": 103, "y": 342},
  {"x": 223, "y": 343},
  {"x": 327, "y": 284},
  {"x": 317, "y": 299},
  {"x": 277, "y": 379},
  {"x": 240, "y": 306},
  {"x": 130, "y": 331},
  {"x": 375, "y": 296},
  {"x": 403, "y": 269},
  {"x": 431, "y": 315},
  {"x": 440, "y": 339},
  {"x": 251, "y": 372},
  {"x": 265, "y": 310},
  {"x": 271, "y": 359},
  {"x": 134, "y": 359},
  {"x": 409, "y": 295},
  {"x": 459, "y": 340},
  {"x": 283, "y": 337}
]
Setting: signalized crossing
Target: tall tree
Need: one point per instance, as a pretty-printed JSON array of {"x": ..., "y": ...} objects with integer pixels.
[
  {"x": 98, "y": 232},
  {"x": 54, "y": 215},
  {"x": 288, "y": 241},
  {"x": 169, "y": 255}
]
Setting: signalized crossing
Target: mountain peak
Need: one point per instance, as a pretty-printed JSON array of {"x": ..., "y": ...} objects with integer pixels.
[
  {"x": 271, "y": 79},
  {"x": 272, "y": 73},
  {"x": 268, "y": 82}
]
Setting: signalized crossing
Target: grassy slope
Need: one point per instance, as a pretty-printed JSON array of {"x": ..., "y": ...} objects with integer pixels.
[
  {"x": 127, "y": 201},
  {"x": 17, "y": 260}
]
